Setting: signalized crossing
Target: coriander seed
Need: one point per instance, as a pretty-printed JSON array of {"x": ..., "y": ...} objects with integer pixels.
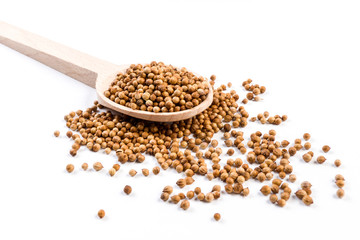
[
  {"x": 127, "y": 189},
  {"x": 84, "y": 166},
  {"x": 337, "y": 163},
  {"x": 326, "y": 148},
  {"x": 132, "y": 172},
  {"x": 112, "y": 172},
  {"x": 97, "y": 166},
  {"x": 69, "y": 168},
  {"x": 273, "y": 198},
  {"x": 156, "y": 170},
  {"x": 340, "y": 193},
  {"x": 217, "y": 216},
  {"x": 145, "y": 172},
  {"x": 307, "y": 200},
  {"x": 185, "y": 204},
  {"x": 101, "y": 213},
  {"x": 56, "y": 133}
]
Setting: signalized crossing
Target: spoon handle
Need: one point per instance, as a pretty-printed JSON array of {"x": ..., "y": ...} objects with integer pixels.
[{"x": 71, "y": 62}]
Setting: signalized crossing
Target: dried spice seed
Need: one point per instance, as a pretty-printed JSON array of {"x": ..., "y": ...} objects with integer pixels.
[
  {"x": 84, "y": 166},
  {"x": 97, "y": 166},
  {"x": 326, "y": 148},
  {"x": 337, "y": 163},
  {"x": 321, "y": 159},
  {"x": 168, "y": 189},
  {"x": 281, "y": 202},
  {"x": 273, "y": 198},
  {"x": 132, "y": 172},
  {"x": 306, "y": 136},
  {"x": 340, "y": 183},
  {"x": 339, "y": 177},
  {"x": 156, "y": 170},
  {"x": 292, "y": 178},
  {"x": 217, "y": 216},
  {"x": 69, "y": 168},
  {"x": 112, "y": 172},
  {"x": 164, "y": 196},
  {"x": 300, "y": 194},
  {"x": 56, "y": 133},
  {"x": 185, "y": 204},
  {"x": 127, "y": 189},
  {"x": 145, "y": 172},
  {"x": 265, "y": 190},
  {"x": 340, "y": 193},
  {"x": 101, "y": 213},
  {"x": 307, "y": 200}
]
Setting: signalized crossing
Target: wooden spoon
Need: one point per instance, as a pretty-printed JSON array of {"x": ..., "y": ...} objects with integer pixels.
[{"x": 92, "y": 71}]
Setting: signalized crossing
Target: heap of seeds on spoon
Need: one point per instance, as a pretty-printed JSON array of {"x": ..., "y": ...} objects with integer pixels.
[{"x": 188, "y": 145}]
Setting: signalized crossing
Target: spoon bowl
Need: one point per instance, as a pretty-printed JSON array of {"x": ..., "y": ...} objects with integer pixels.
[{"x": 94, "y": 72}]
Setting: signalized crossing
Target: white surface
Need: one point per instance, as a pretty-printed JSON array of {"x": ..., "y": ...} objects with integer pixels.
[{"x": 305, "y": 52}]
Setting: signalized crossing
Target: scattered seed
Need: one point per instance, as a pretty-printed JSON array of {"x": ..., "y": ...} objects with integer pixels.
[
  {"x": 326, "y": 148},
  {"x": 337, "y": 163},
  {"x": 340, "y": 193},
  {"x": 101, "y": 213},
  {"x": 84, "y": 166},
  {"x": 70, "y": 168},
  {"x": 127, "y": 189},
  {"x": 56, "y": 133},
  {"x": 217, "y": 216},
  {"x": 97, "y": 166}
]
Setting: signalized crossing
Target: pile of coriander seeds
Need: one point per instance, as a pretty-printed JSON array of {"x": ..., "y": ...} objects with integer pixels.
[
  {"x": 188, "y": 146},
  {"x": 157, "y": 87}
]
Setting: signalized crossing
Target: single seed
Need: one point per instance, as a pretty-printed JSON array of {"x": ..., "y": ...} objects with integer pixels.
[
  {"x": 265, "y": 190},
  {"x": 273, "y": 198},
  {"x": 340, "y": 193},
  {"x": 70, "y": 168},
  {"x": 127, "y": 189},
  {"x": 168, "y": 189},
  {"x": 201, "y": 196},
  {"x": 292, "y": 178},
  {"x": 101, "y": 213},
  {"x": 175, "y": 199},
  {"x": 340, "y": 183},
  {"x": 326, "y": 148},
  {"x": 112, "y": 172},
  {"x": 245, "y": 192},
  {"x": 306, "y": 136},
  {"x": 190, "y": 194},
  {"x": 132, "y": 172},
  {"x": 69, "y": 134},
  {"x": 300, "y": 194},
  {"x": 116, "y": 167},
  {"x": 156, "y": 170},
  {"x": 321, "y": 159},
  {"x": 281, "y": 202},
  {"x": 209, "y": 197},
  {"x": 56, "y": 133},
  {"x": 339, "y": 177},
  {"x": 164, "y": 196},
  {"x": 145, "y": 172},
  {"x": 97, "y": 166},
  {"x": 185, "y": 204},
  {"x": 84, "y": 166},
  {"x": 217, "y": 216},
  {"x": 182, "y": 196},
  {"x": 305, "y": 185},
  {"x": 337, "y": 163},
  {"x": 307, "y": 200}
]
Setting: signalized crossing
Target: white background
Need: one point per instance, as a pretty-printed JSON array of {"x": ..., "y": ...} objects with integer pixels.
[{"x": 305, "y": 52}]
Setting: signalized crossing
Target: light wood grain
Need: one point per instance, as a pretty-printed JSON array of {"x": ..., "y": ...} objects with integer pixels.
[{"x": 92, "y": 71}]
